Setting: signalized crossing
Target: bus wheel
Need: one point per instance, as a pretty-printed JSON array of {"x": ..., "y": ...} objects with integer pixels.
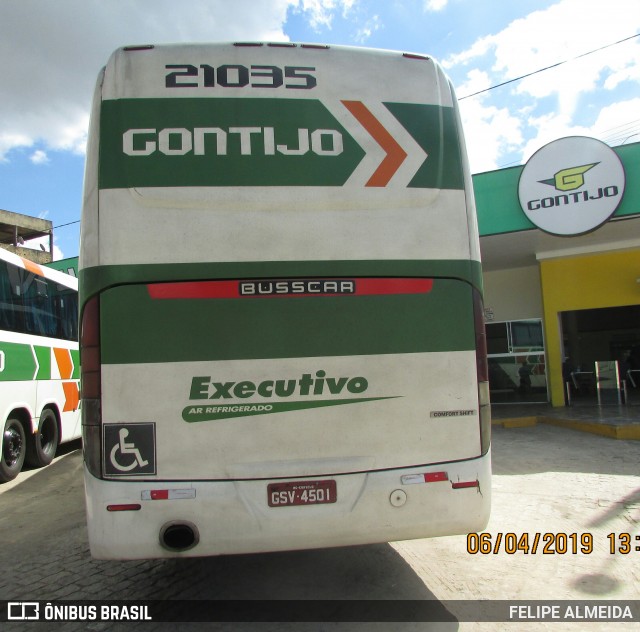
[
  {"x": 14, "y": 447},
  {"x": 43, "y": 445}
]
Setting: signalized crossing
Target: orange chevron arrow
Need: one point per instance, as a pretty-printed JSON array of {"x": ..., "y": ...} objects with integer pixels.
[
  {"x": 63, "y": 360},
  {"x": 72, "y": 396},
  {"x": 395, "y": 154}
]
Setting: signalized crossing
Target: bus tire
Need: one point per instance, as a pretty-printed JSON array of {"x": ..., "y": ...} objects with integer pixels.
[
  {"x": 43, "y": 444},
  {"x": 14, "y": 447}
]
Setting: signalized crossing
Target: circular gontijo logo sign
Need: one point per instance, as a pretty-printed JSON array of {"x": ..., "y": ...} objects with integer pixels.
[{"x": 571, "y": 186}]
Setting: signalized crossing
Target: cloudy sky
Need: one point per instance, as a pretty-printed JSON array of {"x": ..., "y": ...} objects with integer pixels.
[{"x": 52, "y": 50}]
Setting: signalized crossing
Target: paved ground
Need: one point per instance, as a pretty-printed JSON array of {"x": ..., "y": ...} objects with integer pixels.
[
  {"x": 546, "y": 480},
  {"x": 609, "y": 415}
]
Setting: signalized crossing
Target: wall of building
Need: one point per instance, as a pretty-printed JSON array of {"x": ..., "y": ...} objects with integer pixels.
[
  {"x": 584, "y": 282},
  {"x": 16, "y": 229},
  {"x": 513, "y": 294}
]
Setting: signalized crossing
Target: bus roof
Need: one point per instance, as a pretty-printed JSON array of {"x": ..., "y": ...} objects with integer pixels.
[{"x": 35, "y": 268}]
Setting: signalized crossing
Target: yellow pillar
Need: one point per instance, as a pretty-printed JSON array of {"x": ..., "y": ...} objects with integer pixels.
[{"x": 583, "y": 282}]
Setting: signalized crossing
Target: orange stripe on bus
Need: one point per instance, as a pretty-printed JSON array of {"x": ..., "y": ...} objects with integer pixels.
[
  {"x": 34, "y": 268},
  {"x": 395, "y": 154},
  {"x": 72, "y": 396},
  {"x": 63, "y": 360}
]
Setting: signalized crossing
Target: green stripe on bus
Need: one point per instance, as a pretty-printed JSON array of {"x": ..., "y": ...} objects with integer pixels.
[
  {"x": 75, "y": 357},
  {"x": 137, "y": 329},
  {"x": 435, "y": 130},
  {"x": 257, "y": 142},
  {"x": 197, "y": 413},
  {"x": 44, "y": 362},
  {"x": 223, "y": 142},
  {"x": 27, "y": 362},
  {"x": 18, "y": 362}
]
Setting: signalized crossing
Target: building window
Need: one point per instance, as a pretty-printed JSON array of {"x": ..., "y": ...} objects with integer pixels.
[{"x": 517, "y": 367}]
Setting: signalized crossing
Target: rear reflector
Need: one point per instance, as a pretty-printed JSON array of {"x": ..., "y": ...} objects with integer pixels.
[
  {"x": 428, "y": 477},
  {"x": 129, "y": 507},
  {"x": 465, "y": 484},
  {"x": 168, "y": 494}
]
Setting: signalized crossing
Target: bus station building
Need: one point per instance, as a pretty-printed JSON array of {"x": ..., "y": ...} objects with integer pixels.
[{"x": 560, "y": 243}]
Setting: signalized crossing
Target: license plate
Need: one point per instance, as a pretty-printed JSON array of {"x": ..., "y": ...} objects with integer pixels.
[{"x": 301, "y": 493}]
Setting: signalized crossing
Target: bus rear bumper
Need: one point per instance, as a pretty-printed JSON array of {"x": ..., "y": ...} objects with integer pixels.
[{"x": 130, "y": 519}]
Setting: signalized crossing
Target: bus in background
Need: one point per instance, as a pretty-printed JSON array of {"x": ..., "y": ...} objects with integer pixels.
[
  {"x": 39, "y": 363},
  {"x": 282, "y": 335}
]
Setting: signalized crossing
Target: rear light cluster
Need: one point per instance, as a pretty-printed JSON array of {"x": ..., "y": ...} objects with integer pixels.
[
  {"x": 91, "y": 389},
  {"x": 482, "y": 371}
]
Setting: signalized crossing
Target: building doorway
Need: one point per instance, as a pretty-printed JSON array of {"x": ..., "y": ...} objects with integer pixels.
[{"x": 608, "y": 334}]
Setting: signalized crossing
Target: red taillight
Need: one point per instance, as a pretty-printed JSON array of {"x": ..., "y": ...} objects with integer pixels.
[
  {"x": 127, "y": 507},
  {"x": 465, "y": 484},
  {"x": 481, "y": 337},
  {"x": 483, "y": 372},
  {"x": 90, "y": 386},
  {"x": 90, "y": 349}
]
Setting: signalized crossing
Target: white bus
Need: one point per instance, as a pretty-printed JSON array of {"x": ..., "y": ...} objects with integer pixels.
[
  {"x": 282, "y": 335},
  {"x": 39, "y": 363}
]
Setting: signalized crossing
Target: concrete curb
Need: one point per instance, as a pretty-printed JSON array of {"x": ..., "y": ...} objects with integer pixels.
[{"x": 613, "y": 431}]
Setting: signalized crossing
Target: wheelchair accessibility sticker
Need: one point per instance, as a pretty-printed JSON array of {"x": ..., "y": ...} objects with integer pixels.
[{"x": 129, "y": 449}]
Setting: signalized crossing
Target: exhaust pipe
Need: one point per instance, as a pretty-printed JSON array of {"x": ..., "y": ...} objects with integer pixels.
[{"x": 179, "y": 536}]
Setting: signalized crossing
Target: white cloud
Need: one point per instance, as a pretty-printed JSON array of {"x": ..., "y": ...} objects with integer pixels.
[
  {"x": 368, "y": 29},
  {"x": 39, "y": 157},
  {"x": 477, "y": 49},
  {"x": 477, "y": 80},
  {"x": 623, "y": 69},
  {"x": 57, "y": 48},
  {"x": 490, "y": 131},
  {"x": 54, "y": 50},
  {"x": 612, "y": 124},
  {"x": 548, "y": 104},
  {"x": 320, "y": 13},
  {"x": 607, "y": 127},
  {"x": 11, "y": 140},
  {"x": 435, "y": 5},
  {"x": 490, "y": 134}
]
